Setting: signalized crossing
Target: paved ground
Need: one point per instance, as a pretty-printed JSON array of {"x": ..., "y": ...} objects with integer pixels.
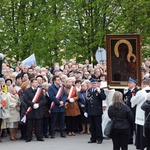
[{"x": 78, "y": 142}]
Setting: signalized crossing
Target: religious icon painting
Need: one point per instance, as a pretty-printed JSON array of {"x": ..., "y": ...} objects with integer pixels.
[{"x": 123, "y": 59}]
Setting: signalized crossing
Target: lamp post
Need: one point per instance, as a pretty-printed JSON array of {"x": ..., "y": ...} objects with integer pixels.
[{"x": 1, "y": 58}]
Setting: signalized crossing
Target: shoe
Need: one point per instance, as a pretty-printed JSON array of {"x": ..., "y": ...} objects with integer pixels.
[
  {"x": 40, "y": 140},
  {"x": 12, "y": 139},
  {"x": 82, "y": 132},
  {"x": 88, "y": 132},
  {"x": 16, "y": 138},
  {"x": 99, "y": 142},
  {"x": 106, "y": 138},
  {"x": 130, "y": 142},
  {"x": 28, "y": 140},
  {"x": 21, "y": 138},
  {"x": 73, "y": 133},
  {"x": 46, "y": 136},
  {"x": 63, "y": 135},
  {"x": 69, "y": 134},
  {"x": 52, "y": 137},
  {"x": 0, "y": 140},
  {"x": 91, "y": 141}
]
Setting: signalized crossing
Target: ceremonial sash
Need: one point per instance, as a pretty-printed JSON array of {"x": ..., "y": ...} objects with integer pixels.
[
  {"x": 57, "y": 96},
  {"x": 35, "y": 98},
  {"x": 71, "y": 92}
]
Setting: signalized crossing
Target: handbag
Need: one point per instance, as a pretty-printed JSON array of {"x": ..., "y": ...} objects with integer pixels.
[
  {"x": 109, "y": 128},
  {"x": 5, "y": 113}
]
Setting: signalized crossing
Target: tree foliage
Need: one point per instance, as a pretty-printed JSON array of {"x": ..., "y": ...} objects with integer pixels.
[{"x": 56, "y": 30}]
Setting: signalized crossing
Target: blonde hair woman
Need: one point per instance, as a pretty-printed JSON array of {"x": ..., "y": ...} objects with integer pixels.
[{"x": 123, "y": 120}]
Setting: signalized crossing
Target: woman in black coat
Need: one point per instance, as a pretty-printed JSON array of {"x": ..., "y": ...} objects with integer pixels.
[
  {"x": 82, "y": 100},
  {"x": 23, "y": 110},
  {"x": 123, "y": 120},
  {"x": 46, "y": 107},
  {"x": 146, "y": 108}
]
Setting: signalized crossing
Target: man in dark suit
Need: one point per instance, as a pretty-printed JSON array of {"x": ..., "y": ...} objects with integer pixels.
[
  {"x": 58, "y": 98},
  {"x": 128, "y": 93},
  {"x": 35, "y": 115},
  {"x": 95, "y": 96}
]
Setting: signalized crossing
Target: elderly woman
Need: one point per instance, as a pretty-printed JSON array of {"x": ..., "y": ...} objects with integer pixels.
[
  {"x": 72, "y": 108},
  {"x": 24, "y": 108},
  {"x": 14, "y": 107},
  {"x": 123, "y": 119},
  {"x": 2, "y": 104},
  {"x": 82, "y": 100}
]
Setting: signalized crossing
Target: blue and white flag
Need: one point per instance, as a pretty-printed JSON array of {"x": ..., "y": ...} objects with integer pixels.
[{"x": 28, "y": 61}]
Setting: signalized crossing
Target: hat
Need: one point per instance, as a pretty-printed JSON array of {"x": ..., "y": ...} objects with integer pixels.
[
  {"x": 132, "y": 80},
  {"x": 8, "y": 80},
  {"x": 94, "y": 81},
  {"x": 2, "y": 80},
  {"x": 56, "y": 71}
]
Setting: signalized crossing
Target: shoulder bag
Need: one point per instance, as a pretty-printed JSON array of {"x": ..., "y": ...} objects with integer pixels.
[
  {"x": 5, "y": 113},
  {"x": 109, "y": 128}
]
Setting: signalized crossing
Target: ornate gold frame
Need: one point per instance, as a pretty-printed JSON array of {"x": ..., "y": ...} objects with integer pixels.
[{"x": 123, "y": 59}]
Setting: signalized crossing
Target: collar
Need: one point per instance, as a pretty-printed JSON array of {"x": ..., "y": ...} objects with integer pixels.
[
  {"x": 33, "y": 88},
  {"x": 132, "y": 89}
]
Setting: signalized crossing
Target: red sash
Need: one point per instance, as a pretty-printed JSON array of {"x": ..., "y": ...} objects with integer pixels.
[
  {"x": 35, "y": 98},
  {"x": 3, "y": 102},
  {"x": 57, "y": 96},
  {"x": 71, "y": 92}
]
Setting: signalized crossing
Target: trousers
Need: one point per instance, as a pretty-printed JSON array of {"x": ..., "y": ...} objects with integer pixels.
[
  {"x": 37, "y": 123},
  {"x": 120, "y": 138},
  {"x": 96, "y": 127}
]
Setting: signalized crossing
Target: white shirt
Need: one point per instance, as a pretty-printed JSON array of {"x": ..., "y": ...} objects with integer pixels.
[{"x": 137, "y": 101}]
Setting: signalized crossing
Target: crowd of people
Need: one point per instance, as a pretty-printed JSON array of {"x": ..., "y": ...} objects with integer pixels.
[{"x": 69, "y": 98}]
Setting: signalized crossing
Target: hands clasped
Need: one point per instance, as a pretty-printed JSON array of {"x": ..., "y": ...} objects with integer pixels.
[
  {"x": 36, "y": 106},
  {"x": 71, "y": 100}
]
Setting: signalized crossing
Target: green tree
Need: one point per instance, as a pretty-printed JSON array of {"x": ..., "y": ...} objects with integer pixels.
[{"x": 56, "y": 30}]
